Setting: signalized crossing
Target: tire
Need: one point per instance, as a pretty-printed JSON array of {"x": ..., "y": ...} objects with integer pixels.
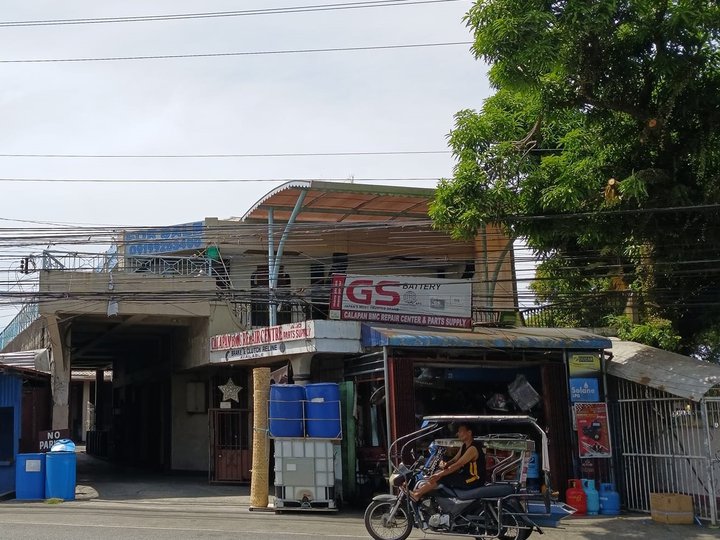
[
  {"x": 377, "y": 525},
  {"x": 510, "y": 529}
]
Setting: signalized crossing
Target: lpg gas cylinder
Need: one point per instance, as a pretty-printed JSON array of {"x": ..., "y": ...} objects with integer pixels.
[
  {"x": 609, "y": 500},
  {"x": 575, "y": 497},
  {"x": 593, "y": 497}
]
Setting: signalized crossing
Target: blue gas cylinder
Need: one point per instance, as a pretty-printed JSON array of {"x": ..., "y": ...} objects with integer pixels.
[
  {"x": 593, "y": 497},
  {"x": 609, "y": 500}
]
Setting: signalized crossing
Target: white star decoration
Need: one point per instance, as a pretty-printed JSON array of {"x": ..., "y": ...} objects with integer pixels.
[{"x": 230, "y": 390}]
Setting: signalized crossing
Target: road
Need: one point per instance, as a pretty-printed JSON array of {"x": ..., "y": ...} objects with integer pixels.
[{"x": 93, "y": 520}]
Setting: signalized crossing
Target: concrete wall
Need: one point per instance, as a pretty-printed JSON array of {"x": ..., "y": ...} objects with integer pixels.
[
  {"x": 33, "y": 337},
  {"x": 190, "y": 431},
  {"x": 89, "y": 292}
]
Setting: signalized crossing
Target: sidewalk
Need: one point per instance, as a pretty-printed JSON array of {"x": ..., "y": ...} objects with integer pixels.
[{"x": 99, "y": 480}]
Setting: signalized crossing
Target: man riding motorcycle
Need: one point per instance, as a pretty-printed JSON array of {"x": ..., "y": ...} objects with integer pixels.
[{"x": 465, "y": 470}]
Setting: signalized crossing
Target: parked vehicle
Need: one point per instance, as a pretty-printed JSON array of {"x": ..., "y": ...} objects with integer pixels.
[{"x": 501, "y": 509}]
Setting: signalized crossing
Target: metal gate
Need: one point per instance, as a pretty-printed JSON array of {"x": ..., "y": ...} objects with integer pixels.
[
  {"x": 230, "y": 445},
  {"x": 667, "y": 444}
]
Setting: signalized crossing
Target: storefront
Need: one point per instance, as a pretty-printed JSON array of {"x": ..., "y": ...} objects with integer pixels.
[{"x": 483, "y": 371}]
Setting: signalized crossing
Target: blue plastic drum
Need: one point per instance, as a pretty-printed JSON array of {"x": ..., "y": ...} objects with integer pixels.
[
  {"x": 60, "y": 477},
  {"x": 322, "y": 411},
  {"x": 30, "y": 477},
  {"x": 285, "y": 416}
]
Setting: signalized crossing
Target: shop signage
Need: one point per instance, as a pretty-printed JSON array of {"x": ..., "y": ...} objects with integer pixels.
[
  {"x": 418, "y": 301},
  {"x": 584, "y": 365},
  {"x": 262, "y": 342},
  {"x": 584, "y": 389},
  {"x": 592, "y": 429},
  {"x": 185, "y": 237},
  {"x": 262, "y": 336},
  {"x": 48, "y": 438}
]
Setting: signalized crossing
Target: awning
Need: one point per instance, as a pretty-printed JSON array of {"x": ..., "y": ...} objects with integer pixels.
[
  {"x": 34, "y": 360},
  {"x": 488, "y": 338},
  {"x": 343, "y": 201},
  {"x": 674, "y": 373}
]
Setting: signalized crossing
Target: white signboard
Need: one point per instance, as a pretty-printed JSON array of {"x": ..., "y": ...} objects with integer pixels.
[
  {"x": 262, "y": 342},
  {"x": 262, "y": 336},
  {"x": 419, "y": 301}
]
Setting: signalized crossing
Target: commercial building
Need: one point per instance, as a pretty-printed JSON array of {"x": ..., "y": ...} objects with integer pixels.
[{"x": 322, "y": 281}]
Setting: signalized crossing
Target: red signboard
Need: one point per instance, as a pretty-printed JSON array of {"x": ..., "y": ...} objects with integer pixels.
[
  {"x": 591, "y": 420},
  {"x": 412, "y": 300}
]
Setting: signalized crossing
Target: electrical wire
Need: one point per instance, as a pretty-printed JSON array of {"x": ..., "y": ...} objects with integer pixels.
[
  {"x": 210, "y": 180},
  {"x": 237, "y": 53},
  {"x": 223, "y": 14},
  {"x": 205, "y": 156}
]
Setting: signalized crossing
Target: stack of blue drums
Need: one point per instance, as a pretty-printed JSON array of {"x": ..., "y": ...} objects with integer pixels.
[{"x": 305, "y": 411}]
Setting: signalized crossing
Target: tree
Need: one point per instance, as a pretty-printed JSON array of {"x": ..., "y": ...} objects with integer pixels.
[{"x": 601, "y": 146}]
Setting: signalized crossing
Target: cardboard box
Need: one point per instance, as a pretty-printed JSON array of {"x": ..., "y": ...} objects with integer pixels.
[{"x": 671, "y": 508}]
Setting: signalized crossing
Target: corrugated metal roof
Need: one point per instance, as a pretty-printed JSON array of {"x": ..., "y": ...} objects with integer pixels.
[
  {"x": 343, "y": 201},
  {"x": 676, "y": 374},
  {"x": 89, "y": 375},
  {"x": 30, "y": 360},
  {"x": 491, "y": 338}
]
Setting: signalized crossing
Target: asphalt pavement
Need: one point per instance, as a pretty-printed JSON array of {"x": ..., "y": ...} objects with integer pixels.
[{"x": 134, "y": 505}]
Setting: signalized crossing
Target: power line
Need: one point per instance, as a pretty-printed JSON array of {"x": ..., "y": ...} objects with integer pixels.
[
  {"x": 222, "y": 14},
  {"x": 206, "y": 181},
  {"x": 203, "y": 156},
  {"x": 237, "y": 53}
]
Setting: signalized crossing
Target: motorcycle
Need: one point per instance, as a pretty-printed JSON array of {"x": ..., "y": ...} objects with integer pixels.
[{"x": 502, "y": 509}]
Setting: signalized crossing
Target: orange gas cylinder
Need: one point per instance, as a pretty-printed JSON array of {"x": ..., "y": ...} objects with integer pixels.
[{"x": 575, "y": 497}]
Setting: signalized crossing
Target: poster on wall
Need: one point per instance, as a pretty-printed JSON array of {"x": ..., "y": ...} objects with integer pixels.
[
  {"x": 584, "y": 365},
  {"x": 584, "y": 389},
  {"x": 592, "y": 429}
]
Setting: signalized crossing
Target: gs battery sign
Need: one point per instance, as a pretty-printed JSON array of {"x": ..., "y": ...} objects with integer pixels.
[{"x": 402, "y": 300}]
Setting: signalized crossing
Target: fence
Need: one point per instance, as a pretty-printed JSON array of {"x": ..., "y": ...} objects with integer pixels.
[
  {"x": 667, "y": 444},
  {"x": 590, "y": 312}
]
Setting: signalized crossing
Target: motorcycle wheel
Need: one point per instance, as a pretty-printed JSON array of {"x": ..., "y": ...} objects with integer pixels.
[
  {"x": 380, "y": 528},
  {"x": 511, "y": 529}
]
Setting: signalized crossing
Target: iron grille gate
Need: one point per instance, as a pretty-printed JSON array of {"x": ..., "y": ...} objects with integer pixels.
[
  {"x": 667, "y": 444},
  {"x": 230, "y": 445}
]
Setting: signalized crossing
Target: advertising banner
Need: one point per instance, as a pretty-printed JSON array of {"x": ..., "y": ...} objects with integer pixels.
[
  {"x": 584, "y": 365},
  {"x": 592, "y": 429},
  {"x": 171, "y": 239},
  {"x": 411, "y": 300},
  {"x": 584, "y": 389}
]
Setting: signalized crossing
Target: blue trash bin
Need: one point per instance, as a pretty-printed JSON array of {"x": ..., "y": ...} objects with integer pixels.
[
  {"x": 61, "y": 471},
  {"x": 30, "y": 477}
]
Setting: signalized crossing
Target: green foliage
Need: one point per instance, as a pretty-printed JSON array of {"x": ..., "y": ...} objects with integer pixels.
[
  {"x": 587, "y": 92},
  {"x": 707, "y": 345},
  {"x": 655, "y": 332}
]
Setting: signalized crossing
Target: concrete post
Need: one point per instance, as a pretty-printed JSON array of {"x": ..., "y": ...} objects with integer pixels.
[
  {"x": 301, "y": 368},
  {"x": 59, "y": 373},
  {"x": 99, "y": 404},
  {"x": 84, "y": 427}
]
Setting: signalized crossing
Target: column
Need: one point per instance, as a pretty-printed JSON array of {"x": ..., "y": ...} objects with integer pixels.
[{"x": 59, "y": 373}]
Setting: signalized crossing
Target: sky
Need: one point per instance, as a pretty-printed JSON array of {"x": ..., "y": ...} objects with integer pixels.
[
  {"x": 360, "y": 101},
  {"x": 390, "y": 100}
]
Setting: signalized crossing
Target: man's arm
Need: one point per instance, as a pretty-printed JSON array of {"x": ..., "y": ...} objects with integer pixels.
[{"x": 455, "y": 465}]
